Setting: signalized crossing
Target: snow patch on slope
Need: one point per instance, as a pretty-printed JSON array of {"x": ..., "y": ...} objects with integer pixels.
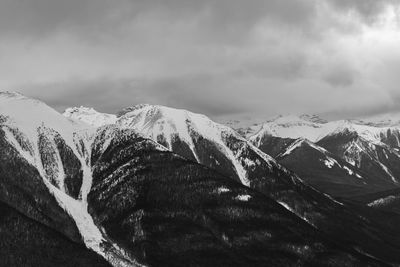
[
  {"x": 328, "y": 161},
  {"x": 286, "y": 206},
  {"x": 388, "y": 172},
  {"x": 243, "y": 197},
  {"x": 292, "y": 147},
  {"x": 383, "y": 201}
]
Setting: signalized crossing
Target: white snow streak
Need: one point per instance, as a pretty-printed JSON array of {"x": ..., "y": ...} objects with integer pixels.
[
  {"x": 243, "y": 197},
  {"x": 383, "y": 201}
]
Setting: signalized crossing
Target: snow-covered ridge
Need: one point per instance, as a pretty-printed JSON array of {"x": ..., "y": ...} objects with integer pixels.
[
  {"x": 391, "y": 119},
  {"x": 298, "y": 143},
  {"x": 313, "y": 118},
  {"x": 327, "y": 157},
  {"x": 373, "y": 134},
  {"x": 90, "y": 116},
  {"x": 298, "y": 127},
  {"x": 178, "y": 129},
  {"x": 25, "y": 122},
  {"x": 16, "y": 107},
  {"x": 167, "y": 124},
  {"x": 153, "y": 120},
  {"x": 289, "y": 127},
  {"x": 43, "y": 118}
]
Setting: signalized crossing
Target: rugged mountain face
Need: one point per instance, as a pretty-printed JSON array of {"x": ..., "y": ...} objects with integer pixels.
[
  {"x": 376, "y": 159},
  {"x": 197, "y": 138},
  {"x": 193, "y": 136},
  {"x": 163, "y": 209},
  {"x": 314, "y": 129},
  {"x": 322, "y": 169},
  {"x": 133, "y": 202},
  {"x": 182, "y": 132},
  {"x": 45, "y": 170},
  {"x": 372, "y": 149},
  {"x": 24, "y": 142},
  {"x": 315, "y": 162}
]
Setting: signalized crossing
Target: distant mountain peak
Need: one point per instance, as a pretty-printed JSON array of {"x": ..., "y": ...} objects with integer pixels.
[
  {"x": 313, "y": 118},
  {"x": 89, "y": 116},
  {"x": 290, "y": 126},
  {"x": 16, "y": 96},
  {"x": 10, "y": 94},
  {"x": 80, "y": 109},
  {"x": 391, "y": 119},
  {"x": 295, "y": 119},
  {"x": 131, "y": 108}
]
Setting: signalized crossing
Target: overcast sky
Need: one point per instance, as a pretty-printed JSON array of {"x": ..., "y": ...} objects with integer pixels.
[{"x": 218, "y": 57}]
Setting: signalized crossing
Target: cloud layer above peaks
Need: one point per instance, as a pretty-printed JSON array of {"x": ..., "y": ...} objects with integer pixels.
[{"x": 218, "y": 57}]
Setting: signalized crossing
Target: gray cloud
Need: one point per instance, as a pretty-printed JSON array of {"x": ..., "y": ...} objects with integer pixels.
[
  {"x": 340, "y": 77},
  {"x": 215, "y": 20},
  {"x": 217, "y": 57},
  {"x": 367, "y": 9},
  {"x": 39, "y": 18},
  {"x": 111, "y": 95}
]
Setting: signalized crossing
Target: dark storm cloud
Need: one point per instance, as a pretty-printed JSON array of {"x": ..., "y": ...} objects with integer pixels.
[{"x": 216, "y": 57}]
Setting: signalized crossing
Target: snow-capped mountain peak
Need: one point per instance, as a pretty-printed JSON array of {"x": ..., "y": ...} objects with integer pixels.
[
  {"x": 289, "y": 127},
  {"x": 14, "y": 106},
  {"x": 197, "y": 137},
  {"x": 89, "y": 116},
  {"x": 391, "y": 119},
  {"x": 187, "y": 133},
  {"x": 60, "y": 151},
  {"x": 297, "y": 119},
  {"x": 191, "y": 135},
  {"x": 154, "y": 120},
  {"x": 313, "y": 118},
  {"x": 373, "y": 134},
  {"x": 314, "y": 130}
]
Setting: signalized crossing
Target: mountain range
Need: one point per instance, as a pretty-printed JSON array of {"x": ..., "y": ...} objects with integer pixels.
[
  {"x": 353, "y": 156},
  {"x": 158, "y": 186}
]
